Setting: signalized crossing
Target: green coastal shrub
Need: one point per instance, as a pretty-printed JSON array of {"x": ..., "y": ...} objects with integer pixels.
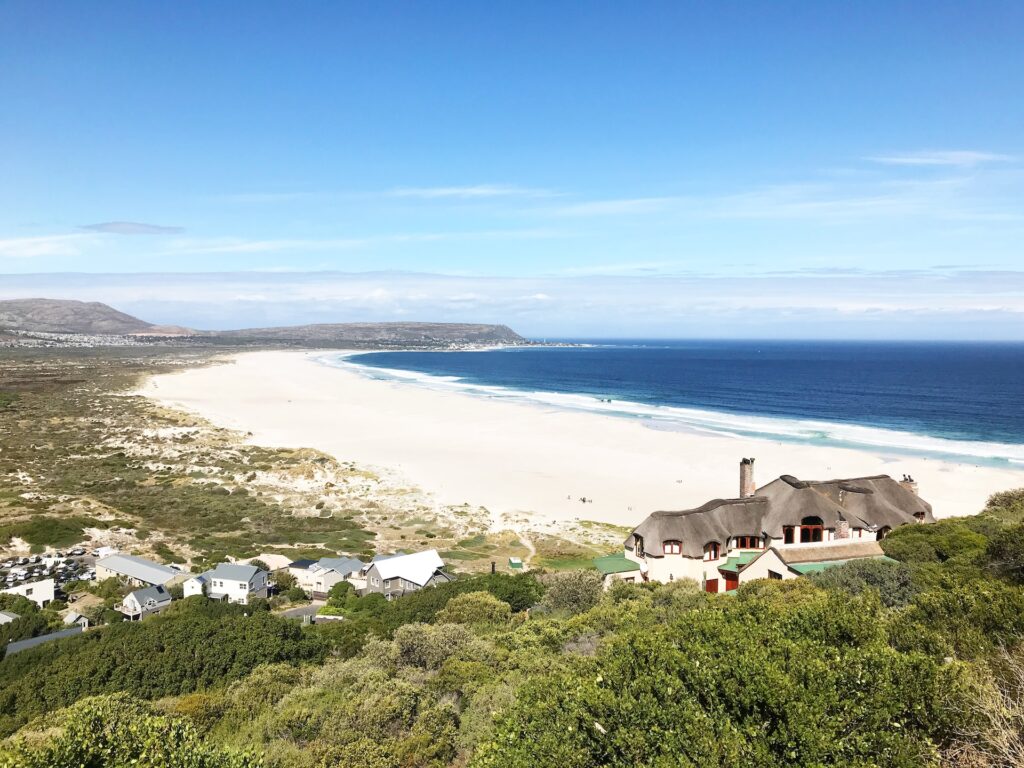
[{"x": 117, "y": 730}]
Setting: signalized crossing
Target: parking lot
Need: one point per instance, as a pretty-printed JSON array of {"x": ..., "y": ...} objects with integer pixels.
[{"x": 62, "y": 566}]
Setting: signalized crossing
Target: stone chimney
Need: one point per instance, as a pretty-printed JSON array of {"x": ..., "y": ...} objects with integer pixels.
[
  {"x": 747, "y": 486},
  {"x": 909, "y": 483}
]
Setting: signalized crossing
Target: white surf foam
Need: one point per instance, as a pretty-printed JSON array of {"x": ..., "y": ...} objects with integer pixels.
[{"x": 807, "y": 431}]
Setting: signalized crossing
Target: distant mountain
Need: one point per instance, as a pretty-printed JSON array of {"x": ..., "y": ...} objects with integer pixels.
[
  {"x": 60, "y": 316},
  {"x": 94, "y": 318},
  {"x": 380, "y": 333}
]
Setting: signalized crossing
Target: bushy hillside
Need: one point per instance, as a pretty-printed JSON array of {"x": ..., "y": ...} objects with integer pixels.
[{"x": 912, "y": 663}]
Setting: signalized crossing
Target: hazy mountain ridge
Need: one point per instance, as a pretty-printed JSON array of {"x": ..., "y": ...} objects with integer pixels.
[
  {"x": 59, "y": 316},
  {"x": 382, "y": 332}
]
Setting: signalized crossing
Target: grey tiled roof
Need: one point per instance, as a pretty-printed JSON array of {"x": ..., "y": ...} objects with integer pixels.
[{"x": 234, "y": 572}]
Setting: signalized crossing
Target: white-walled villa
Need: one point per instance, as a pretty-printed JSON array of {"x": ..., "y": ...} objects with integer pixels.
[{"x": 782, "y": 530}]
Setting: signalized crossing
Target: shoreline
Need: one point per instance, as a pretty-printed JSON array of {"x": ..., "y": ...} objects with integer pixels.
[
  {"x": 523, "y": 460},
  {"x": 892, "y": 443}
]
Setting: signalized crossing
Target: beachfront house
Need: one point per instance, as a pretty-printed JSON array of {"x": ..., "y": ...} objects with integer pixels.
[
  {"x": 233, "y": 582},
  {"x": 144, "y": 602},
  {"x": 316, "y": 577},
  {"x": 396, "y": 575},
  {"x": 779, "y": 531},
  {"x": 137, "y": 571},
  {"x": 39, "y": 592}
]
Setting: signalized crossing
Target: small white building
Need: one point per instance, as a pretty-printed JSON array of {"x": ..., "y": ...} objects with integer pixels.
[
  {"x": 75, "y": 619},
  {"x": 273, "y": 561},
  {"x": 143, "y": 602},
  {"x": 6, "y": 617},
  {"x": 229, "y": 581},
  {"x": 39, "y": 592}
]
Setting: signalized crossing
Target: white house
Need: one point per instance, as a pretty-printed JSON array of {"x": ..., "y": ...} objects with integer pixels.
[
  {"x": 317, "y": 578},
  {"x": 395, "y": 575},
  {"x": 6, "y": 617},
  {"x": 143, "y": 602},
  {"x": 229, "y": 581},
  {"x": 781, "y": 530},
  {"x": 137, "y": 571},
  {"x": 39, "y": 592},
  {"x": 75, "y": 619}
]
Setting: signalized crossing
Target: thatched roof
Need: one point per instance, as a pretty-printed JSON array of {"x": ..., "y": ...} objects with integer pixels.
[
  {"x": 853, "y": 551},
  {"x": 871, "y": 503}
]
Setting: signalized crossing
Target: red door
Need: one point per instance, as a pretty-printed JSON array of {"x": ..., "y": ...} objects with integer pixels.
[
  {"x": 711, "y": 585},
  {"x": 732, "y": 580}
]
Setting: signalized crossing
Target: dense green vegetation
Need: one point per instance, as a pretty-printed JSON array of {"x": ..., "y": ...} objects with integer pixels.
[
  {"x": 193, "y": 645},
  {"x": 119, "y": 730},
  {"x": 910, "y": 663}
]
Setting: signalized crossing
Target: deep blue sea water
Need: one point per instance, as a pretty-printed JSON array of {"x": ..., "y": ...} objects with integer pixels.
[{"x": 942, "y": 399}]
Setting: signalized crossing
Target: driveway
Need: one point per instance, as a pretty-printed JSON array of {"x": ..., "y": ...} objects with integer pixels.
[{"x": 303, "y": 610}]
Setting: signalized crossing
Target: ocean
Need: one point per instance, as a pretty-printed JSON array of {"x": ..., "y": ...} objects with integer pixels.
[{"x": 956, "y": 401}]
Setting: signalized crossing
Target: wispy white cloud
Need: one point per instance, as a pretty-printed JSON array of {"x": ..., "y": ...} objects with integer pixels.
[
  {"x": 959, "y": 158},
  {"x": 312, "y": 245},
  {"x": 923, "y": 303},
  {"x": 476, "y": 191},
  {"x": 132, "y": 228},
  {"x": 620, "y": 206},
  {"x": 42, "y": 246},
  {"x": 953, "y": 197}
]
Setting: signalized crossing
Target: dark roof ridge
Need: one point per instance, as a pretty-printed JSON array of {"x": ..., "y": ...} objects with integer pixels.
[
  {"x": 709, "y": 506},
  {"x": 847, "y": 481}
]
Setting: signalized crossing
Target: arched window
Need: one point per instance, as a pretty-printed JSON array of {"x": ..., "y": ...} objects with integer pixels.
[
  {"x": 639, "y": 545},
  {"x": 711, "y": 550},
  {"x": 919, "y": 516},
  {"x": 883, "y": 532},
  {"x": 748, "y": 542},
  {"x": 672, "y": 547},
  {"x": 787, "y": 534},
  {"x": 811, "y": 529}
]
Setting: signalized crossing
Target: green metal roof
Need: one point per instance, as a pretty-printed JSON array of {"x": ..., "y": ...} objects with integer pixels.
[
  {"x": 736, "y": 562},
  {"x": 824, "y": 565},
  {"x": 617, "y": 563}
]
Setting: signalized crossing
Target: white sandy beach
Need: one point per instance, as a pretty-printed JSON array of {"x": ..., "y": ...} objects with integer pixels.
[{"x": 521, "y": 458}]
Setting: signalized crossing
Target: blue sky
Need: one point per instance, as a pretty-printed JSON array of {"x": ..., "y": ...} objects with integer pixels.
[{"x": 568, "y": 168}]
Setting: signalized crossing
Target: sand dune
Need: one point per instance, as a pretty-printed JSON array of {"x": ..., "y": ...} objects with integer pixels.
[{"x": 520, "y": 458}]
